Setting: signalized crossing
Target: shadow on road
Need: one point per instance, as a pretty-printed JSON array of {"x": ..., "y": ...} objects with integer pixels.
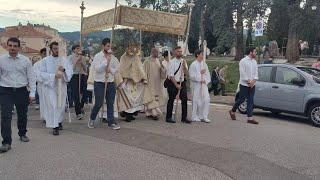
[{"x": 284, "y": 117}]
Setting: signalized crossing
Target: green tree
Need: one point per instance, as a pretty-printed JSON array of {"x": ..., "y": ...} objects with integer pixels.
[
  {"x": 219, "y": 31},
  {"x": 278, "y": 22},
  {"x": 247, "y": 10}
]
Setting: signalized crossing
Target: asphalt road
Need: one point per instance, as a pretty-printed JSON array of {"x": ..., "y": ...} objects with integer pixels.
[{"x": 280, "y": 147}]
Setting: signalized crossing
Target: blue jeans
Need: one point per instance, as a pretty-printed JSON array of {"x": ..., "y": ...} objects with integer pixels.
[
  {"x": 245, "y": 93},
  {"x": 110, "y": 97}
]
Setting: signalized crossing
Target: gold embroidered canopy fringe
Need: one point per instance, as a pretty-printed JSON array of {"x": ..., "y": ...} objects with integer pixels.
[{"x": 137, "y": 18}]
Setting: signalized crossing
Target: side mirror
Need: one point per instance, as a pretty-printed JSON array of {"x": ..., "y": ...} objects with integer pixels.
[{"x": 298, "y": 82}]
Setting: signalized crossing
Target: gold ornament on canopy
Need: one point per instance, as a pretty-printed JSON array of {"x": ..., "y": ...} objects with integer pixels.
[{"x": 137, "y": 18}]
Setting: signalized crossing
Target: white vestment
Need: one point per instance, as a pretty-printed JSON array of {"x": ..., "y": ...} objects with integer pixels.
[
  {"x": 200, "y": 93},
  {"x": 53, "y": 113},
  {"x": 39, "y": 90}
]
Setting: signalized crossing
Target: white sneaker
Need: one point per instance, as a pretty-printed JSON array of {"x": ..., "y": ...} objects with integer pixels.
[
  {"x": 90, "y": 124},
  {"x": 206, "y": 120},
  {"x": 79, "y": 116},
  {"x": 37, "y": 107},
  {"x": 115, "y": 126}
]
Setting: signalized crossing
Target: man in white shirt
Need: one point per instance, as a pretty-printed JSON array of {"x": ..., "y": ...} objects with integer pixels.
[
  {"x": 16, "y": 73},
  {"x": 177, "y": 68},
  {"x": 105, "y": 66},
  {"x": 248, "y": 76}
]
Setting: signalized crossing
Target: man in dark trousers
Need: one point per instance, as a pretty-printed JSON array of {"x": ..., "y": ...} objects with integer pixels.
[
  {"x": 177, "y": 69},
  {"x": 16, "y": 73},
  {"x": 79, "y": 79},
  {"x": 248, "y": 76}
]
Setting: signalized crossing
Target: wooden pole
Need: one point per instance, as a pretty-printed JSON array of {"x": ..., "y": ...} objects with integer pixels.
[
  {"x": 191, "y": 5},
  {"x": 114, "y": 21},
  {"x": 111, "y": 42}
]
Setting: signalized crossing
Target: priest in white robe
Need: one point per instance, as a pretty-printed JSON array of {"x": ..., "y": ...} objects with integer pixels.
[
  {"x": 52, "y": 71},
  {"x": 41, "y": 94},
  {"x": 200, "y": 78},
  {"x": 155, "y": 72}
]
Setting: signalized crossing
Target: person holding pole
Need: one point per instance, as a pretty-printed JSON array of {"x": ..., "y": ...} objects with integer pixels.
[
  {"x": 104, "y": 64},
  {"x": 200, "y": 78},
  {"x": 78, "y": 80},
  {"x": 54, "y": 72},
  {"x": 177, "y": 68}
]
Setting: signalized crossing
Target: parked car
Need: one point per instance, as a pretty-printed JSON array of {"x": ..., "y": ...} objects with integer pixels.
[{"x": 289, "y": 89}]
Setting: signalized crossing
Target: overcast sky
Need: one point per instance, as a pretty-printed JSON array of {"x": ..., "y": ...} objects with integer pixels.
[{"x": 63, "y": 15}]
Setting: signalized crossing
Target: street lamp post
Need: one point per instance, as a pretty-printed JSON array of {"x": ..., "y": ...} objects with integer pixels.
[
  {"x": 191, "y": 6},
  {"x": 114, "y": 21},
  {"x": 81, "y": 37},
  {"x": 314, "y": 8}
]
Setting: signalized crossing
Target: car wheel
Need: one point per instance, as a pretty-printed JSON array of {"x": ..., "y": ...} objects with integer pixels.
[
  {"x": 243, "y": 107},
  {"x": 314, "y": 114}
]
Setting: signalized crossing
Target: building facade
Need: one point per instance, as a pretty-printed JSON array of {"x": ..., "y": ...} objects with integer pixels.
[{"x": 33, "y": 38}]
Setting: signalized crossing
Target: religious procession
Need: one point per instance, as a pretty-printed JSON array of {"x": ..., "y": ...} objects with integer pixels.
[
  {"x": 119, "y": 88},
  {"x": 190, "y": 89}
]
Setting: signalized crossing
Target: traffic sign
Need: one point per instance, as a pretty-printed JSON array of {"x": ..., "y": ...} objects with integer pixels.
[{"x": 259, "y": 28}]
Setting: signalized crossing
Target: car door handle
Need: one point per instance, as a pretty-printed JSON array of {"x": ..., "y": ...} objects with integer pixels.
[{"x": 275, "y": 87}]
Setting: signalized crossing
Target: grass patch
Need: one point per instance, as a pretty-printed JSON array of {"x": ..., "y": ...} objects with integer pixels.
[{"x": 232, "y": 72}]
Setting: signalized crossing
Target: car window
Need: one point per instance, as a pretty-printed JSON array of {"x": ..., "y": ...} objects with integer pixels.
[
  {"x": 285, "y": 75},
  {"x": 312, "y": 71},
  {"x": 265, "y": 73}
]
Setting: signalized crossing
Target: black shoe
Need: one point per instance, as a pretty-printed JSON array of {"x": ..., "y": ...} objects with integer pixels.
[
  {"x": 44, "y": 121},
  {"x": 170, "y": 121},
  {"x": 123, "y": 114},
  {"x": 55, "y": 131},
  {"x": 156, "y": 118},
  {"x": 128, "y": 119},
  {"x": 186, "y": 121},
  {"x": 130, "y": 116},
  {"x": 5, "y": 148},
  {"x": 60, "y": 126},
  {"x": 136, "y": 113},
  {"x": 24, "y": 138},
  {"x": 104, "y": 120}
]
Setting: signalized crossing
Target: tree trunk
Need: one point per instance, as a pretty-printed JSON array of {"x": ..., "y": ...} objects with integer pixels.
[
  {"x": 239, "y": 32},
  {"x": 249, "y": 34},
  {"x": 292, "y": 53}
]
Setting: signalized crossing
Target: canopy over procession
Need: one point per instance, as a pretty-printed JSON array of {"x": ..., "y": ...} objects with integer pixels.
[{"x": 120, "y": 87}]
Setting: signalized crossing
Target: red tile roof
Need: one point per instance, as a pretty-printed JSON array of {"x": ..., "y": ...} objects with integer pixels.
[
  {"x": 23, "y": 31},
  {"x": 29, "y": 50}
]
